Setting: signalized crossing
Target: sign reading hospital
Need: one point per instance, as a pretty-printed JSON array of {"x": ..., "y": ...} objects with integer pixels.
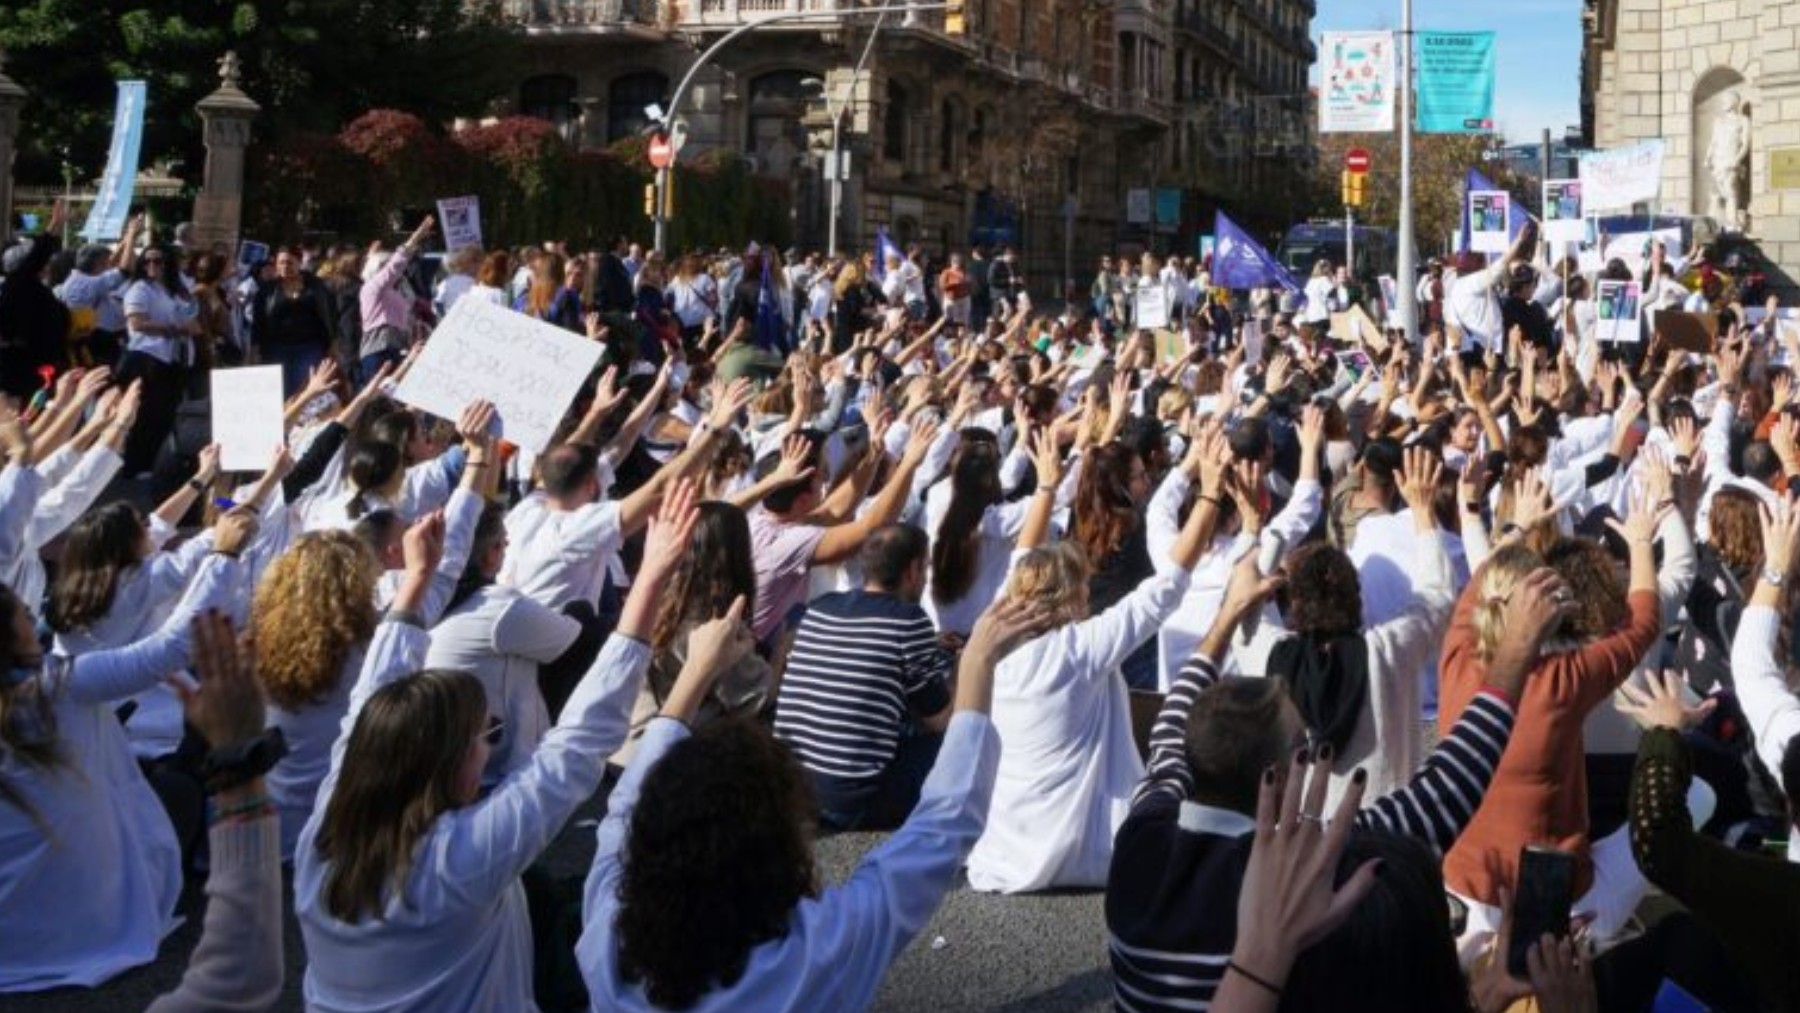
[{"x": 530, "y": 370}]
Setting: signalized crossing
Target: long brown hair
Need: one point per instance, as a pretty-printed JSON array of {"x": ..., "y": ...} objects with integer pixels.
[
  {"x": 956, "y": 546},
  {"x": 546, "y": 281},
  {"x": 1104, "y": 510},
  {"x": 99, "y": 549},
  {"x": 399, "y": 774},
  {"x": 718, "y": 567},
  {"x": 27, "y": 720}
]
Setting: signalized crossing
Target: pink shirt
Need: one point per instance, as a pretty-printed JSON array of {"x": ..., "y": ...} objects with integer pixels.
[
  {"x": 385, "y": 304},
  {"x": 783, "y": 557}
]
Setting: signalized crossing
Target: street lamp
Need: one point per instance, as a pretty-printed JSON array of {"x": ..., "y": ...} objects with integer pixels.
[{"x": 687, "y": 80}]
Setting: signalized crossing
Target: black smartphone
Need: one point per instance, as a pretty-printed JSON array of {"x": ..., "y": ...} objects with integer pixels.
[{"x": 1541, "y": 904}]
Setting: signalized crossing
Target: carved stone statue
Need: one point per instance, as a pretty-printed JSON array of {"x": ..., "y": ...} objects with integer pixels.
[{"x": 1727, "y": 158}]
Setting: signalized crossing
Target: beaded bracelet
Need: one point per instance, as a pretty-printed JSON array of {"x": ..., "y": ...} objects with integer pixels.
[{"x": 253, "y": 807}]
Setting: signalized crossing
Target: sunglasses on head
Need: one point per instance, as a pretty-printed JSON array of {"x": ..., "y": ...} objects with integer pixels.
[{"x": 496, "y": 727}]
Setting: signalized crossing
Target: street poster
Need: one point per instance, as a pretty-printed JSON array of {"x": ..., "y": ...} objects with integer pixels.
[{"x": 1358, "y": 96}]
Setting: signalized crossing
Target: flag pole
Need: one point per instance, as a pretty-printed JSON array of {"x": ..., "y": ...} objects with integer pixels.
[{"x": 1407, "y": 267}]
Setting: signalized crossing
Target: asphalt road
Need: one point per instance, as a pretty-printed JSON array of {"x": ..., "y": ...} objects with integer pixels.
[{"x": 1044, "y": 954}]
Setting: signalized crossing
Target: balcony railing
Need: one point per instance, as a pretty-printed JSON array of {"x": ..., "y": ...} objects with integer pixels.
[{"x": 556, "y": 15}]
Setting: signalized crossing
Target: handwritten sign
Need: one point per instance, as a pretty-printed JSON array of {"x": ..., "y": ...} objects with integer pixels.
[
  {"x": 246, "y": 416},
  {"x": 530, "y": 370},
  {"x": 1620, "y": 177},
  {"x": 460, "y": 218}
]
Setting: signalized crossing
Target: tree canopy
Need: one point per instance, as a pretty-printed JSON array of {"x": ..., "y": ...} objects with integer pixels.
[{"x": 311, "y": 64}]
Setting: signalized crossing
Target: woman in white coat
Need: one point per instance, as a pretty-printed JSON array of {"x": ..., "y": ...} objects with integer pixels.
[
  {"x": 90, "y": 870},
  {"x": 1068, "y": 763}
]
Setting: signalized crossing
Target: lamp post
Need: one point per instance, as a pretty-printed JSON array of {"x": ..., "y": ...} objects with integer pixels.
[
  {"x": 1407, "y": 268},
  {"x": 687, "y": 80}
]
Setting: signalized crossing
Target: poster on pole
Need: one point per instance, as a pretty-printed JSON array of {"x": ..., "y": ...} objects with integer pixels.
[
  {"x": 1390, "y": 298},
  {"x": 1137, "y": 206},
  {"x": 1488, "y": 210},
  {"x": 1152, "y": 310},
  {"x": 1617, "y": 309},
  {"x": 1563, "y": 221},
  {"x": 247, "y": 422},
  {"x": 1617, "y": 178},
  {"x": 1455, "y": 82},
  {"x": 1358, "y": 96},
  {"x": 460, "y": 220},
  {"x": 111, "y": 206},
  {"x": 530, "y": 370}
]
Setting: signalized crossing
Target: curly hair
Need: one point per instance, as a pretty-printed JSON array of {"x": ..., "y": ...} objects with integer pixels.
[
  {"x": 1324, "y": 597},
  {"x": 1054, "y": 576},
  {"x": 314, "y": 604},
  {"x": 718, "y": 855},
  {"x": 1593, "y": 578}
]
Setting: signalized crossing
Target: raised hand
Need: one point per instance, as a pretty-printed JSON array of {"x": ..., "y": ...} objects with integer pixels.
[
  {"x": 738, "y": 394},
  {"x": 1685, "y": 436},
  {"x": 1419, "y": 472},
  {"x": 918, "y": 443},
  {"x": 1639, "y": 527},
  {"x": 1046, "y": 458},
  {"x": 1660, "y": 704},
  {"x": 226, "y": 705},
  {"x": 793, "y": 466},
  {"x": 1532, "y": 503},
  {"x": 670, "y": 531},
  {"x": 712, "y": 648},
  {"x": 233, "y": 530},
  {"x": 1780, "y": 537},
  {"x": 1311, "y": 430},
  {"x": 1288, "y": 900},
  {"x": 476, "y": 424}
]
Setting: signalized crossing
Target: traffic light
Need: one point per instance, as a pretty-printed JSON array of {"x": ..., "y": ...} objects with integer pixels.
[
  {"x": 669, "y": 194},
  {"x": 1355, "y": 190},
  {"x": 649, "y": 200},
  {"x": 954, "y": 23}
]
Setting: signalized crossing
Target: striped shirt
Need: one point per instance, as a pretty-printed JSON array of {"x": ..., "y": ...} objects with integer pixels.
[
  {"x": 862, "y": 661},
  {"x": 1171, "y": 900}
]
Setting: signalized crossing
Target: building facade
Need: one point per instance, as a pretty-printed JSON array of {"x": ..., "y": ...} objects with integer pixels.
[
  {"x": 1719, "y": 82},
  {"x": 1029, "y": 124}
]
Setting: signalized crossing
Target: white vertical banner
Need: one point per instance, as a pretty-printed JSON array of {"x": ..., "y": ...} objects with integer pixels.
[{"x": 1358, "y": 83}]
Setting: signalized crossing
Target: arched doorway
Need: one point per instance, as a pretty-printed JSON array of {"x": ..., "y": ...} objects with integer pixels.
[{"x": 774, "y": 133}]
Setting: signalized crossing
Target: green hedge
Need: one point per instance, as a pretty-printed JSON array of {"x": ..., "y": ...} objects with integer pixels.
[{"x": 386, "y": 166}]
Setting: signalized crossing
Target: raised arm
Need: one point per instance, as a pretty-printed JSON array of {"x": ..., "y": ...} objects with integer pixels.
[
  {"x": 1758, "y": 676},
  {"x": 843, "y": 540}
]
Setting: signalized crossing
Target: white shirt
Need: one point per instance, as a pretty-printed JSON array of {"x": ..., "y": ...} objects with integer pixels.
[
  {"x": 559, "y": 556},
  {"x": 56, "y": 506},
  {"x": 999, "y": 529},
  {"x": 1068, "y": 762},
  {"x": 500, "y": 636},
  {"x": 1318, "y": 301},
  {"x": 97, "y": 896},
  {"x": 453, "y": 288},
  {"x": 1471, "y": 303},
  {"x": 155, "y": 304},
  {"x": 459, "y": 935}
]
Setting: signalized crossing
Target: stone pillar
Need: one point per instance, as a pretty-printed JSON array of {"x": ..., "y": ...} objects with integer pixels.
[
  {"x": 12, "y": 99},
  {"x": 226, "y": 115}
]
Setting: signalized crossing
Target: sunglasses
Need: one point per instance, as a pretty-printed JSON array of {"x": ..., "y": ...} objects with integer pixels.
[{"x": 496, "y": 727}]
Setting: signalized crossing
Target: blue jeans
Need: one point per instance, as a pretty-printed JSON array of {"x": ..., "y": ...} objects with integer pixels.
[
  {"x": 882, "y": 802},
  {"x": 371, "y": 364},
  {"x": 297, "y": 363}
]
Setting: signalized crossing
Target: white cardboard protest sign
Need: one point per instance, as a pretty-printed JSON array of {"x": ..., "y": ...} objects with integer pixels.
[
  {"x": 530, "y": 370},
  {"x": 1152, "y": 308},
  {"x": 246, "y": 416},
  {"x": 1617, "y": 178},
  {"x": 460, "y": 218}
]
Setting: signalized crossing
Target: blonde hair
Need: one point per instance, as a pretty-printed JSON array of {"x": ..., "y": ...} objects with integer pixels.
[
  {"x": 1173, "y": 402},
  {"x": 1054, "y": 576},
  {"x": 314, "y": 605},
  {"x": 465, "y": 259},
  {"x": 1506, "y": 569}
]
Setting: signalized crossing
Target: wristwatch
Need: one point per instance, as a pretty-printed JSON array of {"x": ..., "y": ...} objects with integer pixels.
[{"x": 1772, "y": 576}]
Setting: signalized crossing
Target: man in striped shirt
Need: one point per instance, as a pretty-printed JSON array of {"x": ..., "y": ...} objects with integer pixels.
[
  {"x": 1179, "y": 859},
  {"x": 864, "y": 699}
]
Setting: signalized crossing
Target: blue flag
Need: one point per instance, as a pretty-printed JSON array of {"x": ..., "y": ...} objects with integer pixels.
[
  {"x": 884, "y": 248},
  {"x": 107, "y": 220},
  {"x": 1516, "y": 216},
  {"x": 770, "y": 334},
  {"x": 1240, "y": 262}
]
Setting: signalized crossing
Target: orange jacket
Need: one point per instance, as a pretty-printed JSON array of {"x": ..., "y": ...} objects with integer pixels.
[{"x": 1539, "y": 794}]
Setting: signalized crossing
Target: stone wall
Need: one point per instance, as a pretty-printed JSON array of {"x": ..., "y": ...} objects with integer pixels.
[{"x": 1667, "y": 57}]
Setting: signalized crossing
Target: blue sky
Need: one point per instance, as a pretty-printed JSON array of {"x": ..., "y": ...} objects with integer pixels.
[{"x": 1538, "y": 58}]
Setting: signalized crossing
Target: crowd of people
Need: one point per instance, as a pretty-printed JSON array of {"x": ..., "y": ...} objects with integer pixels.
[{"x": 1296, "y": 645}]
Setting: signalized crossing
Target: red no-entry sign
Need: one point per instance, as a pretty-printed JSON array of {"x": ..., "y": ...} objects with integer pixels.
[
  {"x": 661, "y": 153},
  {"x": 1357, "y": 160}
]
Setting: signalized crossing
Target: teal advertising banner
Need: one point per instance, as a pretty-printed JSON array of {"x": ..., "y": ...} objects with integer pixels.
[{"x": 1456, "y": 82}]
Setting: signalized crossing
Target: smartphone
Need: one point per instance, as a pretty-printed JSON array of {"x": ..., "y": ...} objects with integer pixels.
[{"x": 1541, "y": 903}]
